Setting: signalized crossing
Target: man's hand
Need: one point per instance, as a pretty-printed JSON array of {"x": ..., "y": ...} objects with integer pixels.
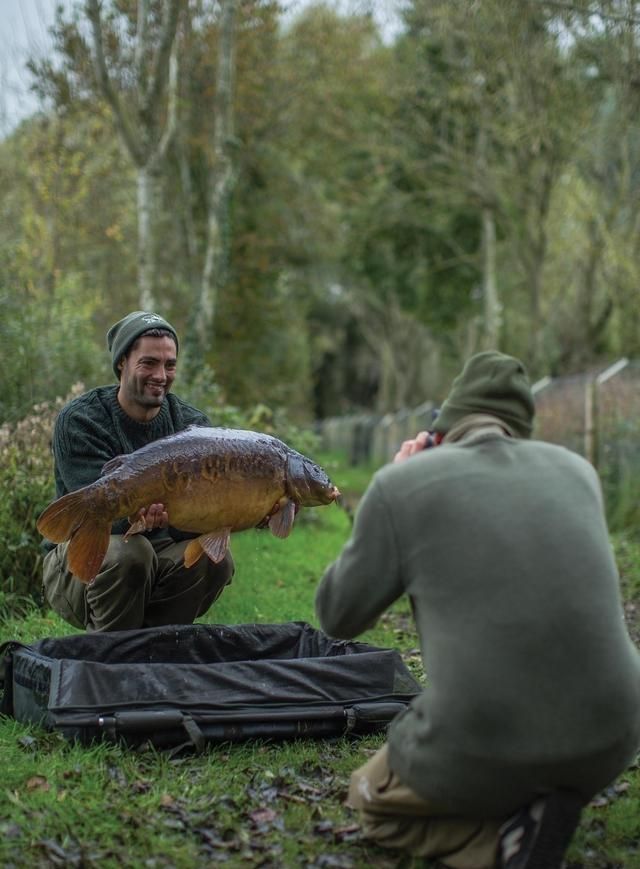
[
  {"x": 148, "y": 519},
  {"x": 409, "y": 448}
]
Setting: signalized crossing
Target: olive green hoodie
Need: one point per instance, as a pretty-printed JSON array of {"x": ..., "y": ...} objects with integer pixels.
[{"x": 532, "y": 681}]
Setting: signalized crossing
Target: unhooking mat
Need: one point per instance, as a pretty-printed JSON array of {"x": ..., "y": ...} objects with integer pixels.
[{"x": 203, "y": 683}]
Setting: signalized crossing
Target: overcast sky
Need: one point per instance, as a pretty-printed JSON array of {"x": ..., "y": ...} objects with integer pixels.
[{"x": 24, "y": 32}]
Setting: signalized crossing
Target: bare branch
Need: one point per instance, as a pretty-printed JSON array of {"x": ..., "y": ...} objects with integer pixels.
[
  {"x": 224, "y": 91},
  {"x": 590, "y": 12},
  {"x": 105, "y": 85},
  {"x": 171, "y": 124},
  {"x": 162, "y": 55},
  {"x": 142, "y": 35}
]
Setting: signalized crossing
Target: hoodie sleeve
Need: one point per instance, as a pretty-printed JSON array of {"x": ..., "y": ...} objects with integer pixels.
[{"x": 365, "y": 579}]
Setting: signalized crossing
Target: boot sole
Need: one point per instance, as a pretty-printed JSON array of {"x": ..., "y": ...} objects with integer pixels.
[{"x": 559, "y": 822}]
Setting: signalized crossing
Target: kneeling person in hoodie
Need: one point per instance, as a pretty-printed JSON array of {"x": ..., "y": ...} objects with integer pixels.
[{"x": 532, "y": 701}]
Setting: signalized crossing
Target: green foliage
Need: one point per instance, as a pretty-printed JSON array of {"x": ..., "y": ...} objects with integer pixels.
[
  {"x": 49, "y": 340},
  {"x": 51, "y": 349},
  {"x": 362, "y": 169},
  {"x": 204, "y": 392},
  {"x": 622, "y": 499},
  {"x": 13, "y": 605},
  {"x": 26, "y": 478},
  {"x": 627, "y": 548},
  {"x": 67, "y": 218}
]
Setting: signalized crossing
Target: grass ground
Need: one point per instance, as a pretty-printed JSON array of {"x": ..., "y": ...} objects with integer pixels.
[{"x": 254, "y": 804}]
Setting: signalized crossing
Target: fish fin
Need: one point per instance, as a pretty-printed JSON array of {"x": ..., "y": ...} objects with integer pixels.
[
  {"x": 193, "y": 552},
  {"x": 88, "y": 547},
  {"x": 113, "y": 464},
  {"x": 88, "y": 534},
  {"x": 281, "y": 522},
  {"x": 136, "y": 527},
  {"x": 214, "y": 544},
  {"x": 63, "y": 517}
]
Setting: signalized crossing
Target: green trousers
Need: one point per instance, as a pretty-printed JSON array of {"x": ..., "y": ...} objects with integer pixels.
[{"x": 141, "y": 584}]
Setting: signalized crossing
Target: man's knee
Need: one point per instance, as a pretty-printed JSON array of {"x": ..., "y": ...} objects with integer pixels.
[
  {"x": 131, "y": 561},
  {"x": 63, "y": 592},
  {"x": 219, "y": 574},
  {"x": 119, "y": 595},
  {"x": 215, "y": 578}
]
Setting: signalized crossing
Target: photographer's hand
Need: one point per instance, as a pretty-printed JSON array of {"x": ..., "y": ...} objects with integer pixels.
[{"x": 422, "y": 441}]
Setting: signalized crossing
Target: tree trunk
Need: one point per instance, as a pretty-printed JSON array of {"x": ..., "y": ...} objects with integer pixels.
[
  {"x": 147, "y": 142},
  {"x": 148, "y": 197},
  {"x": 492, "y": 307},
  {"x": 221, "y": 183}
]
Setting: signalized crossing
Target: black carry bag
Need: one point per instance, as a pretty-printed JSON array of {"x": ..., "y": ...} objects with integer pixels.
[{"x": 204, "y": 683}]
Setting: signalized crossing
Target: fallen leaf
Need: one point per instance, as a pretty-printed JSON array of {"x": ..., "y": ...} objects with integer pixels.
[
  {"x": 291, "y": 798},
  {"x": 37, "y": 783},
  {"x": 331, "y": 861},
  {"x": 213, "y": 839},
  {"x": 613, "y": 792},
  {"x": 263, "y": 816}
]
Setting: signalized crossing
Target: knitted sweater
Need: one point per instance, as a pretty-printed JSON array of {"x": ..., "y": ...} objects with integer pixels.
[
  {"x": 93, "y": 428},
  {"x": 532, "y": 680}
]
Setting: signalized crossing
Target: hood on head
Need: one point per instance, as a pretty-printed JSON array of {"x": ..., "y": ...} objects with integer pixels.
[{"x": 490, "y": 383}]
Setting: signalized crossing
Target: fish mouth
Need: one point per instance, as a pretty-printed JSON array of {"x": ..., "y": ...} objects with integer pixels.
[{"x": 319, "y": 498}]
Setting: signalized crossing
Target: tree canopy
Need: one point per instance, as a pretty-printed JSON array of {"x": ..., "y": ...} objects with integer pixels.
[{"x": 332, "y": 217}]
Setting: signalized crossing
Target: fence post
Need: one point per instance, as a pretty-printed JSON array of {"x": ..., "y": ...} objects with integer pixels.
[
  {"x": 591, "y": 407},
  {"x": 591, "y": 421},
  {"x": 541, "y": 384}
]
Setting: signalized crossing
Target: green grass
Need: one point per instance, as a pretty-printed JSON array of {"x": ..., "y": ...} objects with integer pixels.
[{"x": 250, "y": 804}]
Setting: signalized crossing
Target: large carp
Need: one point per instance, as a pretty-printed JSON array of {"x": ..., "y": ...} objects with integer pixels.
[{"x": 212, "y": 481}]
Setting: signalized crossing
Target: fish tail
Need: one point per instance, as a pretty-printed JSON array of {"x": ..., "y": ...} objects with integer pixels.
[
  {"x": 88, "y": 547},
  {"x": 64, "y": 516},
  {"x": 73, "y": 518}
]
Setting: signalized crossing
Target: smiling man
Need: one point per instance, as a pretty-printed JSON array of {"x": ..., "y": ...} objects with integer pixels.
[{"x": 143, "y": 581}]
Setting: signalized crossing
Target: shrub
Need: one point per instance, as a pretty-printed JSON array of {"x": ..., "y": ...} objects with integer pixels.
[
  {"x": 203, "y": 392},
  {"x": 49, "y": 342},
  {"x": 26, "y": 479}
]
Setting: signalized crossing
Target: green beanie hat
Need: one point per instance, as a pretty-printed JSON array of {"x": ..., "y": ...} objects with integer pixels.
[
  {"x": 123, "y": 333},
  {"x": 491, "y": 383}
]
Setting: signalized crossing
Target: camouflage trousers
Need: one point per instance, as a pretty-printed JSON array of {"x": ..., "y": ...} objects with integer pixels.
[
  {"x": 141, "y": 583},
  {"x": 394, "y": 816}
]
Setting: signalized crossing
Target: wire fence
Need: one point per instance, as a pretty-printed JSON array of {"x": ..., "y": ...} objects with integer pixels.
[{"x": 595, "y": 413}]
